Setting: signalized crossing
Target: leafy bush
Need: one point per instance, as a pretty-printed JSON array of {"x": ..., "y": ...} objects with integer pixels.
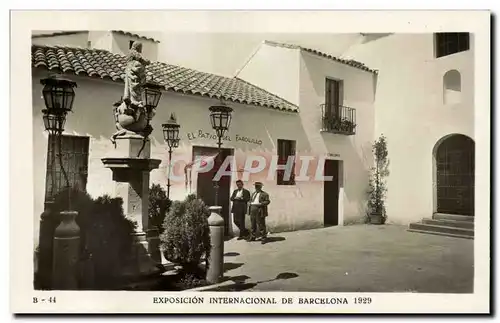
[
  {"x": 105, "y": 236},
  {"x": 377, "y": 188},
  {"x": 159, "y": 204},
  {"x": 186, "y": 236}
]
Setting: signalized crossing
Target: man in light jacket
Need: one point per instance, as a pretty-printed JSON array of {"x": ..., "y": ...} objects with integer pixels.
[{"x": 258, "y": 213}]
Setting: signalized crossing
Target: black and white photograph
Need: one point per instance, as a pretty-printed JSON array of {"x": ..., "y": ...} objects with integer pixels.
[{"x": 199, "y": 169}]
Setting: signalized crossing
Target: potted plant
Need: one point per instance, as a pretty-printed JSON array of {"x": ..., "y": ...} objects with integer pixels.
[{"x": 377, "y": 184}]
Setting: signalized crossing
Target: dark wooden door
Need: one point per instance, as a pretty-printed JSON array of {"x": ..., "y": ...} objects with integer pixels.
[
  {"x": 331, "y": 193},
  {"x": 205, "y": 183},
  {"x": 75, "y": 159},
  {"x": 455, "y": 166},
  {"x": 332, "y": 97}
]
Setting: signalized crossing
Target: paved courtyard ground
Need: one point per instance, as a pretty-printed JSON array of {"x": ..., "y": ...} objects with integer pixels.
[{"x": 358, "y": 258}]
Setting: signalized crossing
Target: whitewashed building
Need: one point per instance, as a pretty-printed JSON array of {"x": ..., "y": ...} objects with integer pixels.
[{"x": 287, "y": 101}]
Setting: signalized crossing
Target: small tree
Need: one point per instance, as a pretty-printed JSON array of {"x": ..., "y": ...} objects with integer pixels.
[
  {"x": 159, "y": 205},
  {"x": 186, "y": 236},
  {"x": 377, "y": 184}
]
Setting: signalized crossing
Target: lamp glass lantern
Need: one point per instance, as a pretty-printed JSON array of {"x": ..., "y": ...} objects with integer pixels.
[
  {"x": 53, "y": 122},
  {"x": 58, "y": 94},
  {"x": 171, "y": 132},
  {"x": 152, "y": 93},
  {"x": 220, "y": 118}
]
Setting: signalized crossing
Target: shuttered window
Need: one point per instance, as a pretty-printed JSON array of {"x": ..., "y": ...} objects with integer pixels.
[
  {"x": 75, "y": 155},
  {"x": 286, "y": 148}
]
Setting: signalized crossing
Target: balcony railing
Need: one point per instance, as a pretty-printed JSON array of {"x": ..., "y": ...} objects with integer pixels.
[{"x": 338, "y": 119}]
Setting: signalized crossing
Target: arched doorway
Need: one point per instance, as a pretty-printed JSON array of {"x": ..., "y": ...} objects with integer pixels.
[{"x": 454, "y": 177}]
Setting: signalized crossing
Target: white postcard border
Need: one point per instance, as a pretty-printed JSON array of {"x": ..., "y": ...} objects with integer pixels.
[{"x": 21, "y": 217}]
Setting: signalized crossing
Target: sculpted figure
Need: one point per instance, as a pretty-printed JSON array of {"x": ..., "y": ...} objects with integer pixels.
[{"x": 130, "y": 113}]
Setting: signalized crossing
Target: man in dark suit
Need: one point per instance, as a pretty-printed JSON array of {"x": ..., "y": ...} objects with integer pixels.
[
  {"x": 240, "y": 198},
  {"x": 258, "y": 213}
]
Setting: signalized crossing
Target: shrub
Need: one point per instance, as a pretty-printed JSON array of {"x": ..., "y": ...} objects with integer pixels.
[
  {"x": 159, "y": 205},
  {"x": 186, "y": 236}
]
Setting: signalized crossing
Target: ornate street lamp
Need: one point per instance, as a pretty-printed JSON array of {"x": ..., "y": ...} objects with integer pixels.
[
  {"x": 152, "y": 93},
  {"x": 171, "y": 136},
  {"x": 58, "y": 95},
  {"x": 220, "y": 118}
]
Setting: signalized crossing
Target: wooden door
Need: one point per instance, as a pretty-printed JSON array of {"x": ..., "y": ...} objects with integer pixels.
[{"x": 331, "y": 193}]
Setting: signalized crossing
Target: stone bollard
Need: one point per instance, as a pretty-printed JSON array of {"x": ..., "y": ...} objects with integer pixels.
[
  {"x": 216, "y": 260},
  {"x": 66, "y": 253},
  {"x": 153, "y": 238},
  {"x": 45, "y": 242}
]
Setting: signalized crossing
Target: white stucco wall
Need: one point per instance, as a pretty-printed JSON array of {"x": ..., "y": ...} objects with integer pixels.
[
  {"x": 275, "y": 69},
  {"x": 101, "y": 39},
  {"x": 409, "y": 110},
  {"x": 354, "y": 151},
  {"x": 73, "y": 40},
  {"x": 308, "y": 92}
]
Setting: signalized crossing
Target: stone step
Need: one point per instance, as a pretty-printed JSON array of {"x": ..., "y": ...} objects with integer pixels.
[
  {"x": 442, "y": 234},
  {"x": 450, "y": 223},
  {"x": 441, "y": 229},
  {"x": 456, "y": 217}
]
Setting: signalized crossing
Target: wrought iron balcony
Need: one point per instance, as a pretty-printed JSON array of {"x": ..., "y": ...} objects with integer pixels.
[{"x": 338, "y": 119}]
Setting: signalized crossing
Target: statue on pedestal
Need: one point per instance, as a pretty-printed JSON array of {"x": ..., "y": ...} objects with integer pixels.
[{"x": 131, "y": 116}]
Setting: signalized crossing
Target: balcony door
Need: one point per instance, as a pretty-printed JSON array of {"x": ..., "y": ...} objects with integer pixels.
[{"x": 332, "y": 97}]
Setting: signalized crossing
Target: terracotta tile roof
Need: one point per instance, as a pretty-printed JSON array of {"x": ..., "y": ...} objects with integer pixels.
[
  {"x": 349, "y": 62},
  {"x": 106, "y": 65}
]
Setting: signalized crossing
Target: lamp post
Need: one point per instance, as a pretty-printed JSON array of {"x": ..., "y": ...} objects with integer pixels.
[
  {"x": 58, "y": 95},
  {"x": 171, "y": 136},
  {"x": 220, "y": 118}
]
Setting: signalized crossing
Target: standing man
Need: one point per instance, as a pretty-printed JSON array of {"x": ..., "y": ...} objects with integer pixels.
[
  {"x": 240, "y": 198},
  {"x": 258, "y": 213}
]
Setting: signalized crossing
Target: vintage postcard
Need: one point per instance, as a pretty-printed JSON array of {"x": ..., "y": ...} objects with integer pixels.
[{"x": 250, "y": 162}]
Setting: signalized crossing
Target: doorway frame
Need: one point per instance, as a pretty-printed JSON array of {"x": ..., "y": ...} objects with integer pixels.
[
  {"x": 340, "y": 201},
  {"x": 434, "y": 167}
]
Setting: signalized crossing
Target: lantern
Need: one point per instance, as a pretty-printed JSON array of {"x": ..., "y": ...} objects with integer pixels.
[
  {"x": 171, "y": 132},
  {"x": 220, "y": 118}
]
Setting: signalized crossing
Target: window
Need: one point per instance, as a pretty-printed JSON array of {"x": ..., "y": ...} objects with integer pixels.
[
  {"x": 286, "y": 148},
  {"x": 332, "y": 97},
  {"x": 75, "y": 153},
  {"x": 130, "y": 43},
  {"x": 452, "y": 87},
  {"x": 451, "y": 43}
]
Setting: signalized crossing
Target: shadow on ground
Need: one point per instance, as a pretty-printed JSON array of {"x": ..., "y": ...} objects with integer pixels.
[
  {"x": 240, "y": 284},
  {"x": 232, "y": 265},
  {"x": 231, "y": 254},
  {"x": 274, "y": 239}
]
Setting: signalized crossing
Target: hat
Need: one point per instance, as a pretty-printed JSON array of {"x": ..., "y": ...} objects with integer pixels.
[{"x": 258, "y": 183}]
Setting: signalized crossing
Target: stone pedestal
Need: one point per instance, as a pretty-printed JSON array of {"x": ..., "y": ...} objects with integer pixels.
[
  {"x": 131, "y": 168},
  {"x": 216, "y": 259},
  {"x": 66, "y": 253}
]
